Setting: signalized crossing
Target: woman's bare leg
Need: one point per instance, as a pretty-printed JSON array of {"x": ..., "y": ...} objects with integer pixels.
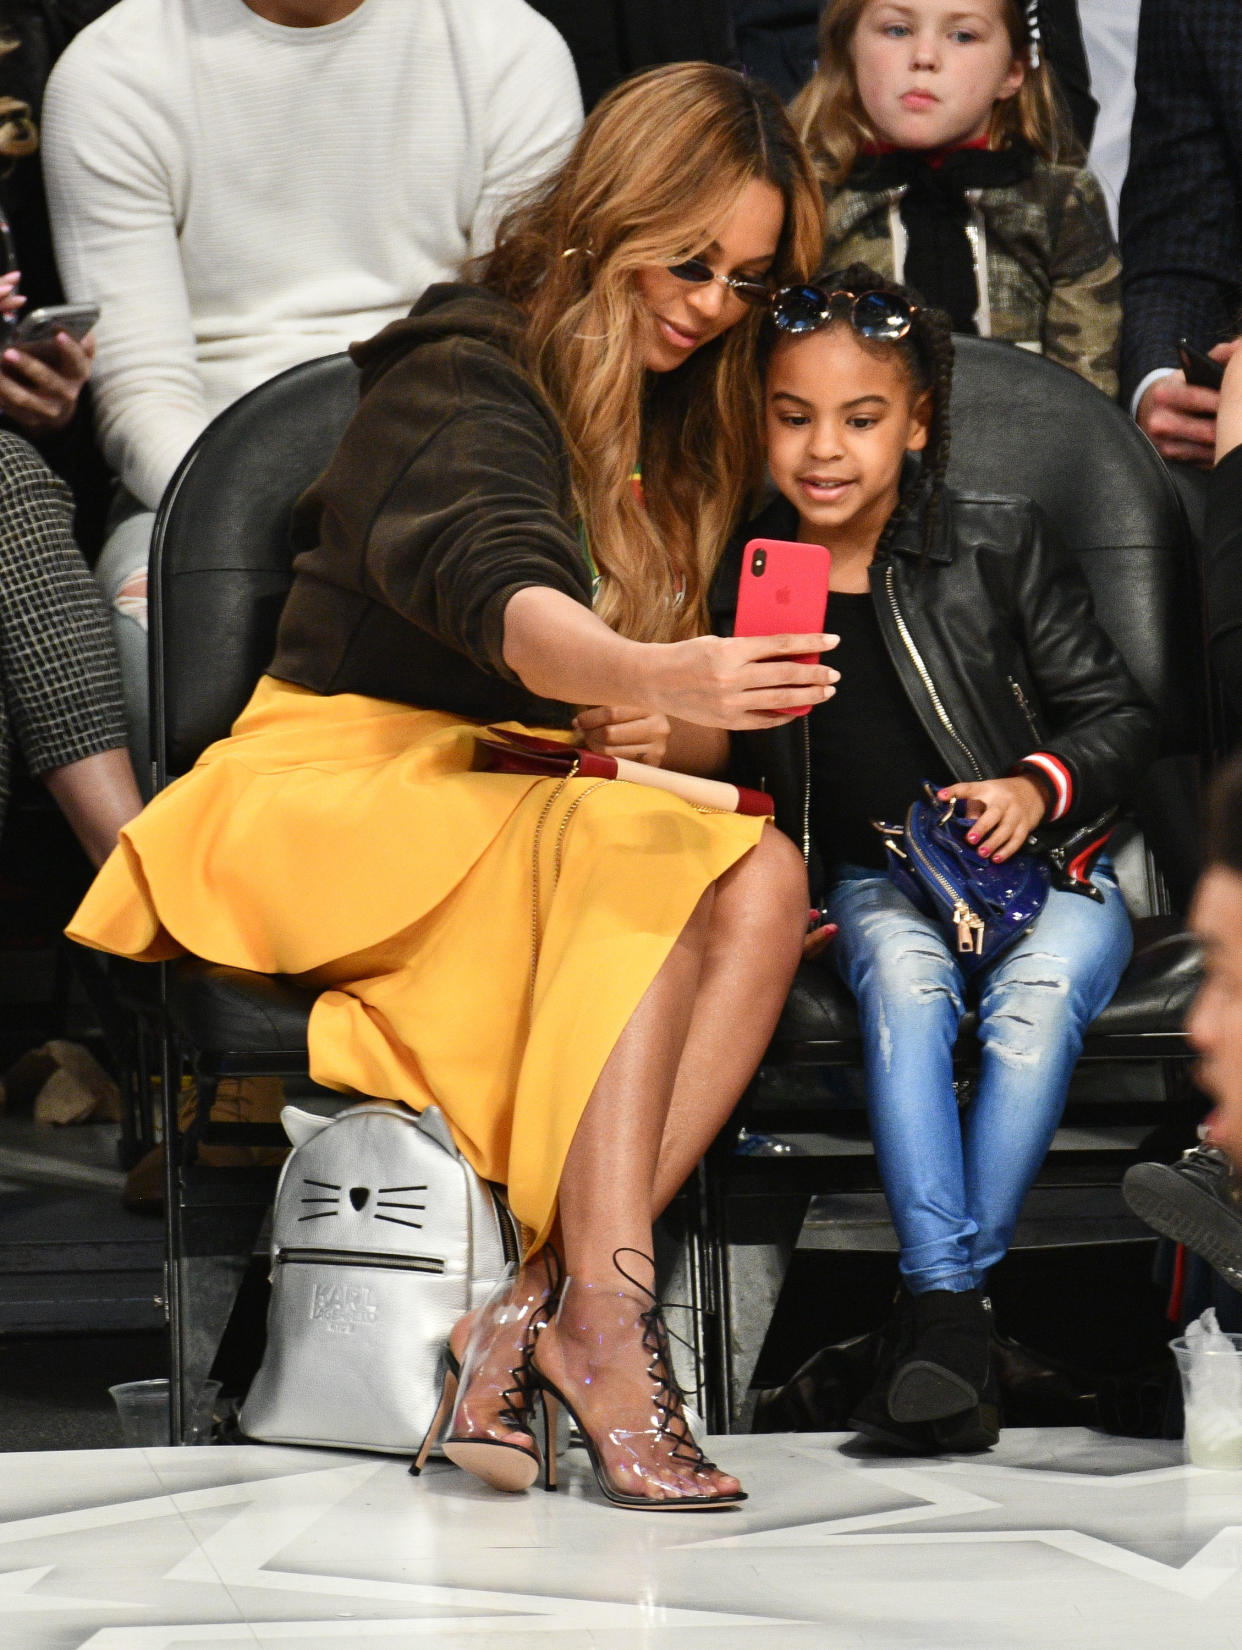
[
  {"x": 605, "y": 1191},
  {"x": 752, "y": 952},
  {"x": 651, "y": 1115},
  {"x": 97, "y": 796}
]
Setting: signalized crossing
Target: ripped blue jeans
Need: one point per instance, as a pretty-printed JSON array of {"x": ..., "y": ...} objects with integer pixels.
[{"x": 955, "y": 1183}]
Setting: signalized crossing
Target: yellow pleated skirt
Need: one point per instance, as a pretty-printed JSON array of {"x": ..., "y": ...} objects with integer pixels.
[{"x": 479, "y": 940}]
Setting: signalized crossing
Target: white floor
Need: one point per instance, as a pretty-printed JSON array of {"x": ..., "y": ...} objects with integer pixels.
[{"x": 1059, "y": 1540}]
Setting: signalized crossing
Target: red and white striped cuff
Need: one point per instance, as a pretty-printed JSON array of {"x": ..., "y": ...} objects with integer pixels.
[{"x": 1058, "y": 776}]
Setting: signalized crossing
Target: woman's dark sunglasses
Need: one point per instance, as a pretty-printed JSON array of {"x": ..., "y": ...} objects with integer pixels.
[
  {"x": 879, "y": 315},
  {"x": 749, "y": 288}
]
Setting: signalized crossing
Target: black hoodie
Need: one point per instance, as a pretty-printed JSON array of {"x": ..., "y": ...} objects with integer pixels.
[{"x": 448, "y": 493}]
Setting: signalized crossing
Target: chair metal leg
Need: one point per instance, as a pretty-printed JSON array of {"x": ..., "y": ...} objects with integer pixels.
[{"x": 170, "y": 1086}]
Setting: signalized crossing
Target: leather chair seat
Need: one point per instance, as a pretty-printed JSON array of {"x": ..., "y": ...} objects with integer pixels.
[
  {"x": 221, "y": 1010},
  {"x": 1153, "y": 998},
  {"x": 225, "y": 1010}
]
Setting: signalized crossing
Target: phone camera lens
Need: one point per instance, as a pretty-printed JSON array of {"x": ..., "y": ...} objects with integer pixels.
[{"x": 758, "y": 562}]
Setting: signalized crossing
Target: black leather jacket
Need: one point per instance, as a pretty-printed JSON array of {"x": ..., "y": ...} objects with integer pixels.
[{"x": 995, "y": 640}]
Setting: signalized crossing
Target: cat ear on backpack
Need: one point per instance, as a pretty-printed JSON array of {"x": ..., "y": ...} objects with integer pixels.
[{"x": 302, "y": 1126}]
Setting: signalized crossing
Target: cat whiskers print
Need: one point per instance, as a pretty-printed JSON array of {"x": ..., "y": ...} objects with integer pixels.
[{"x": 328, "y": 1191}]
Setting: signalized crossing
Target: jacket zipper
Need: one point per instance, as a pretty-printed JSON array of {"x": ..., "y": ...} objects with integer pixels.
[
  {"x": 806, "y": 790},
  {"x": 1025, "y": 708},
  {"x": 977, "y": 235},
  {"x": 375, "y": 1259},
  {"x": 925, "y": 675}
]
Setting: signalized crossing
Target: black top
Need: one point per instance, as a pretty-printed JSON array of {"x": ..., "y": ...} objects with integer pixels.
[{"x": 869, "y": 752}]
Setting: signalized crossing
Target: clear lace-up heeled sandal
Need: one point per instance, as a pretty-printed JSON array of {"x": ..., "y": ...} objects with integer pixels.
[
  {"x": 646, "y": 1442},
  {"x": 488, "y": 1394}
]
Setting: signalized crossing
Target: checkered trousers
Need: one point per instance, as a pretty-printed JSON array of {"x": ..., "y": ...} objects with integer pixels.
[{"x": 60, "y": 687}]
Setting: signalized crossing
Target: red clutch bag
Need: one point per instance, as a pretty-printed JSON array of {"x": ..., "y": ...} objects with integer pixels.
[{"x": 504, "y": 751}]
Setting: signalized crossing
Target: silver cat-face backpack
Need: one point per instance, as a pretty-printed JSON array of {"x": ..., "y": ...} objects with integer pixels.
[{"x": 382, "y": 1237}]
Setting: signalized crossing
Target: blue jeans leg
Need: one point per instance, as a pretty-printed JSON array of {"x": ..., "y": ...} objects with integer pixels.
[
  {"x": 1034, "y": 1007},
  {"x": 955, "y": 1188},
  {"x": 910, "y": 993}
]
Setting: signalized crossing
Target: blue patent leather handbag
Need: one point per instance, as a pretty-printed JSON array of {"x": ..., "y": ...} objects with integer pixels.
[{"x": 984, "y": 907}]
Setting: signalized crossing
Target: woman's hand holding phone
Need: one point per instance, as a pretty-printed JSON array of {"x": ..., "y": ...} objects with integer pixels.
[{"x": 740, "y": 682}]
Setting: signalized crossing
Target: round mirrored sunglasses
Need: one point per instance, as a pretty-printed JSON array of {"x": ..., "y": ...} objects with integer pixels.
[
  {"x": 749, "y": 288},
  {"x": 880, "y": 315}
]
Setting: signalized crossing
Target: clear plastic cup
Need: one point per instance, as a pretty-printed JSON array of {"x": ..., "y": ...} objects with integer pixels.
[
  {"x": 1213, "y": 1421},
  {"x": 145, "y": 1407}
]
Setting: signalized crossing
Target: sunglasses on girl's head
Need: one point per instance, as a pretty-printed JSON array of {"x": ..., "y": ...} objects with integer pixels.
[
  {"x": 879, "y": 315},
  {"x": 749, "y": 288}
]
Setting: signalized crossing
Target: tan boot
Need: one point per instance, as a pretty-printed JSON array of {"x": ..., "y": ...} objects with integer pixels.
[{"x": 238, "y": 1100}]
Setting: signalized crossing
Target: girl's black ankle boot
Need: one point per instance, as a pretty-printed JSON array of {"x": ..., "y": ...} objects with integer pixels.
[{"x": 944, "y": 1370}]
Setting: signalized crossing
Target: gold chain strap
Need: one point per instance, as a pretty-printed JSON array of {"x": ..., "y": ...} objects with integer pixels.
[{"x": 537, "y": 870}]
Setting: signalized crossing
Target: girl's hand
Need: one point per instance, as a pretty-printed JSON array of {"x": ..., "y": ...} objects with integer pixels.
[
  {"x": 39, "y": 393},
  {"x": 819, "y": 936},
  {"x": 1005, "y": 812},
  {"x": 626, "y": 731},
  {"x": 739, "y": 682},
  {"x": 11, "y": 300}
]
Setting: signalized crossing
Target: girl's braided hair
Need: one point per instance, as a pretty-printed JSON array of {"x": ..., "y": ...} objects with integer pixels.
[{"x": 926, "y": 352}]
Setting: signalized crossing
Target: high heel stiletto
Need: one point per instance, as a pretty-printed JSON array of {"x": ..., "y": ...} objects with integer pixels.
[
  {"x": 600, "y": 1320},
  {"x": 486, "y": 1407},
  {"x": 448, "y": 1397}
]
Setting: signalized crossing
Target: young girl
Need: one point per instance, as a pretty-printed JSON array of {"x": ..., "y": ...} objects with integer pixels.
[
  {"x": 940, "y": 140},
  {"x": 969, "y": 656}
]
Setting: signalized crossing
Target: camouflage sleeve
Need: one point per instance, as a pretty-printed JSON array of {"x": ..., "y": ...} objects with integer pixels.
[{"x": 1082, "y": 327}]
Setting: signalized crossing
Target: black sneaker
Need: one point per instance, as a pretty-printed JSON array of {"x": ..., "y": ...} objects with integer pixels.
[{"x": 1197, "y": 1202}]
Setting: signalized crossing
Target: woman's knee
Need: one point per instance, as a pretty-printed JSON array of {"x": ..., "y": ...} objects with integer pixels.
[{"x": 770, "y": 882}]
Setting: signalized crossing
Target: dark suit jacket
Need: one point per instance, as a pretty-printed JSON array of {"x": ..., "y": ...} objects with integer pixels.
[
  {"x": 611, "y": 39},
  {"x": 1181, "y": 206}
]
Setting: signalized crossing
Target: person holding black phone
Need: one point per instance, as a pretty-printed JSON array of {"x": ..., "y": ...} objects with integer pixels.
[
  {"x": 581, "y": 973},
  {"x": 38, "y": 392}
]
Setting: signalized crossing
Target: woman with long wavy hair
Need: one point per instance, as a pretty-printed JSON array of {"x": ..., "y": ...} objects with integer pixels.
[{"x": 520, "y": 525}]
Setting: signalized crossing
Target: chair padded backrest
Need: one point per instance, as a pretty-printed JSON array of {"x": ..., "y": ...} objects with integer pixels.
[
  {"x": 1024, "y": 425},
  {"x": 220, "y": 553}
]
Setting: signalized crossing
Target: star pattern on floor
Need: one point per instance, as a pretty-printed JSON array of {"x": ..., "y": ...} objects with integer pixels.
[
  {"x": 1121, "y": 1521},
  {"x": 836, "y": 1550}
]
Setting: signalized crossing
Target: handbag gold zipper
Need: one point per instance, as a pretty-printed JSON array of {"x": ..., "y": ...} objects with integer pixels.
[
  {"x": 965, "y": 918},
  {"x": 969, "y": 929},
  {"x": 925, "y": 675}
]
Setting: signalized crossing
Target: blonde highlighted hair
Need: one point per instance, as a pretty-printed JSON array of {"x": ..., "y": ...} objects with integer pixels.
[
  {"x": 830, "y": 118},
  {"x": 17, "y": 130},
  {"x": 656, "y": 171}
]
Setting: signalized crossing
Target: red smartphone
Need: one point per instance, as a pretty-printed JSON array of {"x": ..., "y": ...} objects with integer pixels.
[{"x": 783, "y": 591}]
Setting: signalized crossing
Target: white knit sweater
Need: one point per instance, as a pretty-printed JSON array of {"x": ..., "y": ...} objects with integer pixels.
[{"x": 239, "y": 196}]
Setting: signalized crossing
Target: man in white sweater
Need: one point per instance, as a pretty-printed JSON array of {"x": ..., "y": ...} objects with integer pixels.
[{"x": 243, "y": 185}]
